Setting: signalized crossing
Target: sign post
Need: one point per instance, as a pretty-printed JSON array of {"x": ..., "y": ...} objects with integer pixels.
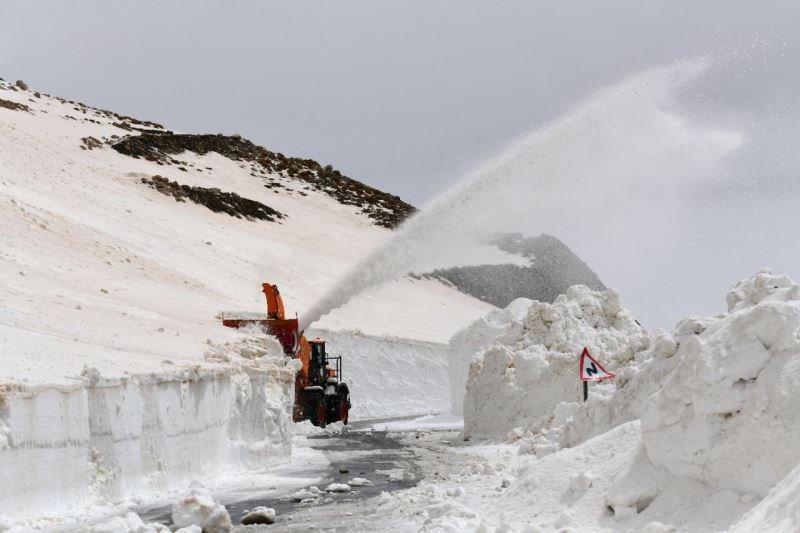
[{"x": 589, "y": 369}]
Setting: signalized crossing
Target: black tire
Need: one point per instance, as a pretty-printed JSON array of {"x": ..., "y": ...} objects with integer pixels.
[
  {"x": 343, "y": 403},
  {"x": 314, "y": 407}
]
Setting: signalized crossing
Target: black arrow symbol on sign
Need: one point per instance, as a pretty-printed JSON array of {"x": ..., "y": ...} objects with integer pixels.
[{"x": 591, "y": 371}]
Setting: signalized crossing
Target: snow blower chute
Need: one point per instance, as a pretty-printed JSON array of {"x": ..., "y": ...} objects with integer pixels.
[{"x": 320, "y": 394}]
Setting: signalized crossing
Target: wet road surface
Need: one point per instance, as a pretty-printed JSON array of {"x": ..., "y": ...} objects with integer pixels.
[{"x": 374, "y": 455}]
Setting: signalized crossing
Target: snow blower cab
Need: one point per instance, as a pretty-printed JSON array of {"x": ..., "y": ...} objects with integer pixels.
[
  {"x": 326, "y": 398},
  {"x": 320, "y": 395}
]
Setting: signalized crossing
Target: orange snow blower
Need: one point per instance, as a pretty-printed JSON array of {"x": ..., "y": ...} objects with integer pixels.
[{"x": 320, "y": 395}]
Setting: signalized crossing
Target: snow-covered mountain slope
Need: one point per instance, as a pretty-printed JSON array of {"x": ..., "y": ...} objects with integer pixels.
[
  {"x": 98, "y": 268},
  {"x": 118, "y": 250},
  {"x": 550, "y": 270}
]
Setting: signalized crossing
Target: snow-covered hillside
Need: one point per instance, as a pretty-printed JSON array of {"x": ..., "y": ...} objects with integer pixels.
[
  {"x": 99, "y": 269},
  {"x": 118, "y": 251}
]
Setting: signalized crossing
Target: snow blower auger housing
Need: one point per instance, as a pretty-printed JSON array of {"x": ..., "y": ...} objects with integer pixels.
[{"x": 320, "y": 395}]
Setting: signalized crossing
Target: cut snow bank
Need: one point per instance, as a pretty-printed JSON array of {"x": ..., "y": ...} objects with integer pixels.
[
  {"x": 107, "y": 441},
  {"x": 390, "y": 376},
  {"x": 499, "y": 326},
  {"x": 530, "y": 365},
  {"x": 716, "y": 400}
]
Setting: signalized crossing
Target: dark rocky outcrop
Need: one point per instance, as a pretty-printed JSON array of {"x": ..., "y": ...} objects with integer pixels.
[
  {"x": 160, "y": 146},
  {"x": 215, "y": 199},
  {"x": 14, "y": 106},
  {"x": 553, "y": 269}
]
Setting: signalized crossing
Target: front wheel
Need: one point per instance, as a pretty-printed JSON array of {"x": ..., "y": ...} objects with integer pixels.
[
  {"x": 344, "y": 410},
  {"x": 321, "y": 418},
  {"x": 314, "y": 407}
]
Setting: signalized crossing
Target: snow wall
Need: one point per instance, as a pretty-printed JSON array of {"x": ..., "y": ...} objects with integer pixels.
[
  {"x": 107, "y": 441},
  {"x": 716, "y": 397},
  {"x": 390, "y": 376}
]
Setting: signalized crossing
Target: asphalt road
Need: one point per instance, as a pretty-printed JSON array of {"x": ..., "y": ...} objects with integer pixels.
[{"x": 375, "y": 455}]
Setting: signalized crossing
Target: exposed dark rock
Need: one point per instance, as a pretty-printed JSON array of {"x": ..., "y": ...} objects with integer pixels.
[
  {"x": 90, "y": 143},
  {"x": 215, "y": 199},
  {"x": 14, "y": 106},
  {"x": 553, "y": 269},
  {"x": 385, "y": 209},
  {"x": 22, "y": 85}
]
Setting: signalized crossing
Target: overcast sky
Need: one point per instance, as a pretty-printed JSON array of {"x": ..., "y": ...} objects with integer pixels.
[
  {"x": 405, "y": 96},
  {"x": 408, "y": 96}
]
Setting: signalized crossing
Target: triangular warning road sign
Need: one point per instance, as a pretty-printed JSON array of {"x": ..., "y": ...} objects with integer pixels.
[{"x": 590, "y": 370}]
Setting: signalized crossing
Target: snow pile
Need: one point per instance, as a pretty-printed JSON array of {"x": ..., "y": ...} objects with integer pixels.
[
  {"x": 727, "y": 414},
  {"x": 306, "y": 429},
  {"x": 198, "y": 508},
  {"x": 498, "y": 326},
  {"x": 716, "y": 400},
  {"x": 530, "y": 374},
  {"x": 132, "y": 523},
  {"x": 779, "y": 512}
]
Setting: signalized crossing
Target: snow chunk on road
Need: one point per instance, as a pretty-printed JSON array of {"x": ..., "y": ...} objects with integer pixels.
[
  {"x": 259, "y": 515},
  {"x": 337, "y": 487},
  {"x": 199, "y": 508},
  {"x": 359, "y": 482}
]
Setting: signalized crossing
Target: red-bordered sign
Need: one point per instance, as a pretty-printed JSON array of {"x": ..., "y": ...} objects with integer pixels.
[{"x": 589, "y": 369}]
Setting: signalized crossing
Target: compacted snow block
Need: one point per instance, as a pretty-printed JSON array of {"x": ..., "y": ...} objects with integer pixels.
[
  {"x": 728, "y": 414},
  {"x": 532, "y": 365}
]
